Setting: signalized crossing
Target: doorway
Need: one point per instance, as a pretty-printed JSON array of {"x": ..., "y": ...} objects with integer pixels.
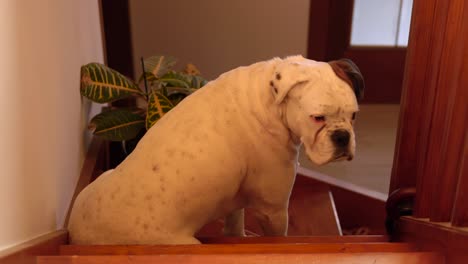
[{"x": 374, "y": 34}]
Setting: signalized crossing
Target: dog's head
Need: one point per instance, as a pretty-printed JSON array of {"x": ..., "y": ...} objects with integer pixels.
[{"x": 320, "y": 104}]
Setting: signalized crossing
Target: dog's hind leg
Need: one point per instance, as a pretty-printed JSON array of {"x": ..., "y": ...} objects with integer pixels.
[{"x": 234, "y": 223}]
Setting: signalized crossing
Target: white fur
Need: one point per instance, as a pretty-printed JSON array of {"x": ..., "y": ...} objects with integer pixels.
[{"x": 230, "y": 145}]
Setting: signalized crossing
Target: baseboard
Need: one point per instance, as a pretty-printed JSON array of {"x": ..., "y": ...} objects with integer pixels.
[{"x": 25, "y": 253}]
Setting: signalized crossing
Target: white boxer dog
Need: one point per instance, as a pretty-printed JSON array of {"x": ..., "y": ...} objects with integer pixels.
[{"x": 232, "y": 144}]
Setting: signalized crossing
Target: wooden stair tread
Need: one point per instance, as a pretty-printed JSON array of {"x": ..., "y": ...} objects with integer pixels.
[
  {"x": 235, "y": 249},
  {"x": 362, "y": 258},
  {"x": 292, "y": 239}
]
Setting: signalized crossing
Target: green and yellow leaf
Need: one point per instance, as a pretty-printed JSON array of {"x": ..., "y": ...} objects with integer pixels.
[
  {"x": 102, "y": 84},
  {"x": 117, "y": 125},
  {"x": 159, "y": 65},
  {"x": 150, "y": 78},
  {"x": 158, "y": 105},
  {"x": 197, "y": 82},
  {"x": 175, "y": 79}
]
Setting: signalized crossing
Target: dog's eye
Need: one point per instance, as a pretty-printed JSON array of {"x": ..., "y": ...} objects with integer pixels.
[
  {"x": 319, "y": 118},
  {"x": 354, "y": 116}
]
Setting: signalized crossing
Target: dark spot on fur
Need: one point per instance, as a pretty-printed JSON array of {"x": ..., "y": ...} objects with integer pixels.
[
  {"x": 163, "y": 189},
  {"x": 272, "y": 84},
  {"x": 276, "y": 90},
  {"x": 200, "y": 150},
  {"x": 177, "y": 171},
  {"x": 148, "y": 197},
  {"x": 162, "y": 179},
  {"x": 155, "y": 167},
  {"x": 145, "y": 226},
  {"x": 170, "y": 152},
  {"x": 278, "y": 76},
  {"x": 192, "y": 179}
]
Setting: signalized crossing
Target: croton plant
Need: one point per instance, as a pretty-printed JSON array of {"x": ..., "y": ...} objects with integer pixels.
[{"x": 159, "y": 87}]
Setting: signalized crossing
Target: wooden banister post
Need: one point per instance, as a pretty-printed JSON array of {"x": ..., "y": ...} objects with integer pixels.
[
  {"x": 447, "y": 124},
  {"x": 460, "y": 210}
]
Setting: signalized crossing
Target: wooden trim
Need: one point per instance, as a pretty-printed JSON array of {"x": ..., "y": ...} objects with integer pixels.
[
  {"x": 441, "y": 237},
  {"x": 292, "y": 239},
  {"x": 364, "y": 258},
  {"x": 118, "y": 39},
  {"x": 235, "y": 249},
  {"x": 382, "y": 69},
  {"x": 329, "y": 28},
  {"x": 318, "y": 30},
  {"x": 103, "y": 33},
  {"x": 26, "y": 253},
  {"x": 330, "y": 24}
]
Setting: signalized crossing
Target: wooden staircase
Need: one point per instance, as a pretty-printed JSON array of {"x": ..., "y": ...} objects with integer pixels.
[
  {"x": 312, "y": 249},
  {"x": 315, "y": 236}
]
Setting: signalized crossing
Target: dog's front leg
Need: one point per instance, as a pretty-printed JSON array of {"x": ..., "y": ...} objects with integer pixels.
[
  {"x": 274, "y": 222},
  {"x": 234, "y": 223}
]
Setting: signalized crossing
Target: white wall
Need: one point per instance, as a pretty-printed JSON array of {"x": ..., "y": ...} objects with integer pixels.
[
  {"x": 42, "y": 47},
  {"x": 218, "y": 35}
]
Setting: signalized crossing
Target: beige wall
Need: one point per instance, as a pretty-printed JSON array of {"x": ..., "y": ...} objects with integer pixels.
[
  {"x": 42, "y": 145},
  {"x": 218, "y": 35}
]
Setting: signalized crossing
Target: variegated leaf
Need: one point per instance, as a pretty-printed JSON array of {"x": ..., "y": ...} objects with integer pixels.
[
  {"x": 175, "y": 79},
  {"x": 159, "y": 65},
  {"x": 198, "y": 82},
  {"x": 117, "y": 125},
  {"x": 150, "y": 78},
  {"x": 179, "y": 90},
  {"x": 158, "y": 105},
  {"x": 102, "y": 84}
]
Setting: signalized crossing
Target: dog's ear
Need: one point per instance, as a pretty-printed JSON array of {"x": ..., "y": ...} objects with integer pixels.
[
  {"x": 350, "y": 73},
  {"x": 287, "y": 75}
]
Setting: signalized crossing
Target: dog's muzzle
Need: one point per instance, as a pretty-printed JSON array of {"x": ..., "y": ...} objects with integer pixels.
[{"x": 340, "y": 139}]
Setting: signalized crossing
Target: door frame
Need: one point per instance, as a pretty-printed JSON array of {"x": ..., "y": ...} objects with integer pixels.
[{"x": 329, "y": 39}]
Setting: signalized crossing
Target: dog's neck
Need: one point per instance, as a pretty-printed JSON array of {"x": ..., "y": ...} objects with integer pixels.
[{"x": 273, "y": 116}]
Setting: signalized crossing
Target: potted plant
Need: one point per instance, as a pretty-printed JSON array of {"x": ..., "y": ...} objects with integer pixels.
[{"x": 158, "y": 90}]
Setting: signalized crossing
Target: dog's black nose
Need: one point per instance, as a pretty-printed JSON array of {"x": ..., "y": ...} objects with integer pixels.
[{"x": 340, "y": 138}]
